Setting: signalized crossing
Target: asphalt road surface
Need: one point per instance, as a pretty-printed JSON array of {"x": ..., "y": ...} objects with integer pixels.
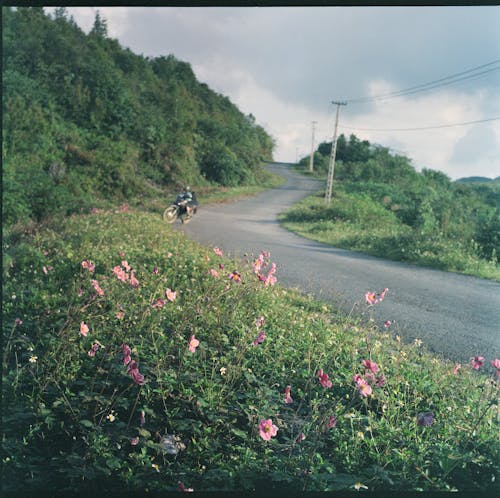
[{"x": 454, "y": 315}]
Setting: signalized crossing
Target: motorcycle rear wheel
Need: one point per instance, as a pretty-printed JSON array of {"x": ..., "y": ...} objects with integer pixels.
[{"x": 170, "y": 214}]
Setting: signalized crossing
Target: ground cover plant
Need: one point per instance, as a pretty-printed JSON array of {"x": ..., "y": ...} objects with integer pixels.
[{"x": 136, "y": 359}]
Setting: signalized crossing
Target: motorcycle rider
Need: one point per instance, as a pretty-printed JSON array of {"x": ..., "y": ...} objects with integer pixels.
[{"x": 189, "y": 198}]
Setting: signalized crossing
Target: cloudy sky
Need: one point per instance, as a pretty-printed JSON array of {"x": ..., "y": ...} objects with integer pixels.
[{"x": 285, "y": 65}]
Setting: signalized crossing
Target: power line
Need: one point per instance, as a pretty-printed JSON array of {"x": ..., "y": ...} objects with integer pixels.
[
  {"x": 455, "y": 78},
  {"x": 422, "y": 127}
]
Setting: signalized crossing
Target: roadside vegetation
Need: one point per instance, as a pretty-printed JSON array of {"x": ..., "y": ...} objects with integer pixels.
[
  {"x": 383, "y": 207},
  {"x": 135, "y": 359}
]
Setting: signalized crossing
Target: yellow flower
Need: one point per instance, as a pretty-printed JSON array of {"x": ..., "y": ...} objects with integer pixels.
[
  {"x": 156, "y": 467},
  {"x": 359, "y": 486},
  {"x": 111, "y": 417}
]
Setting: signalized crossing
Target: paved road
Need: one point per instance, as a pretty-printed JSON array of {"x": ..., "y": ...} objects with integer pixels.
[{"x": 454, "y": 315}]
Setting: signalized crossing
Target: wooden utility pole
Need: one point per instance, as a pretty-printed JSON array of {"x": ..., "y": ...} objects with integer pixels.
[
  {"x": 329, "y": 182},
  {"x": 311, "y": 160}
]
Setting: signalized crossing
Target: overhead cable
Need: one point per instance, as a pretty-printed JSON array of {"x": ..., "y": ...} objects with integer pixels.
[
  {"x": 422, "y": 127},
  {"x": 447, "y": 80}
]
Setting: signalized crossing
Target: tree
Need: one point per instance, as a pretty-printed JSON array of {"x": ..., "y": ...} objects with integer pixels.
[{"x": 100, "y": 27}]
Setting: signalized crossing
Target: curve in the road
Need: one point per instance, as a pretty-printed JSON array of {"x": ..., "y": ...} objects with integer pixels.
[{"x": 454, "y": 315}]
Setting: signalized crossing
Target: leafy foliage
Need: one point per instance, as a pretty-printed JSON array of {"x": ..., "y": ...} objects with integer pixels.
[{"x": 84, "y": 118}]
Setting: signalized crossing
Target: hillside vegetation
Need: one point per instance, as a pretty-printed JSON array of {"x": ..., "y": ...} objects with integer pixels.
[
  {"x": 381, "y": 205},
  {"x": 85, "y": 119}
]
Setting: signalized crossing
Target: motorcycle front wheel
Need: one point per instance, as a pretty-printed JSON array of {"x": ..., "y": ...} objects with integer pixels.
[{"x": 170, "y": 214}]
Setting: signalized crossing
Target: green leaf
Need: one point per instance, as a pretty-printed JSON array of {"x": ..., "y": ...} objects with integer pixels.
[{"x": 87, "y": 423}]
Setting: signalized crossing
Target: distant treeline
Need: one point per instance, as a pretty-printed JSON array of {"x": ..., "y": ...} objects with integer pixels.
[
  {"x": 427, "y": 201},
  {"x": 86, "y": 119}
]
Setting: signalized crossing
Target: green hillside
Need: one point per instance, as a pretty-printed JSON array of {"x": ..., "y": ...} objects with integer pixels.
[{"x": 85, "y": 119}]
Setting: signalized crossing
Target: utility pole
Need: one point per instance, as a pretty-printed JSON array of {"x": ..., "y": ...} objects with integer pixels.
[
  {"x": 311, "y": 160},
  {"x": 329, "y": 182}
]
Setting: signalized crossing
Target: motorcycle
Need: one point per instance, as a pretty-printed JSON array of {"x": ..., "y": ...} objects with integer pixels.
[{"x": 179, "y": 209}]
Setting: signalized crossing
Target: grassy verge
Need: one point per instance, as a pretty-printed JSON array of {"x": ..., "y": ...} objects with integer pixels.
[
  {"x": 136, "y": 359},
  {"x": 354, "y": 222}
]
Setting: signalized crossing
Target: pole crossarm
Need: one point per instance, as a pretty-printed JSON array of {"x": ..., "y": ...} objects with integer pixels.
[{"x": 329, "y": 181}]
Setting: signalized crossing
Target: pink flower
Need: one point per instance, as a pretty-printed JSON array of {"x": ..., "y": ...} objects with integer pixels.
[
  {"x": 362, "y": 386},
  {"x": 125, "y": 265},
  {"x": 221, "y": 266},
  {"x": 120, "y": 273},
  {"x": 288, "y": 398},
  {"x": 80, "y": 292},
  {"x": 93, "y": 350},
  {"x": 324, "y": 379},
  {"x": 88, "y": 265},
  {"x": 84, "y": 329},
  {"x": 193, "y": 344},
  {"x": 214, "y": 273},
  {"x": 218, "y": 251},
  {"x": 380, "y": 382},
  {"x": 120, "y": 315},
  {"x": 17, "y": 322},
  {"x": 261, "y": 336},
  {"x": 332, "y": 422},
  {"x": 235, "y": 276},
  {"x": 477, "y": 362},
  {"x": 133, "y": 281},
  {"x": 97, "y": 288},
  {"x": 387, "y": 324},
  {"x": 495, "y": 363},
  {"x": 259, "y": 322},
  {"x": 267, "y": 429},
  {"x": 142, "y": 418},
  {"x": 155, "y": 270},
  {"x": 370, "y": 365},
  {"x": 257, "y": 264},
  {"x": 133, "y": 371},
  {"x": 425, "y": 419},
  {"x": 159, "y": 303},
  {"x": 170, "y": 295},
  {"x": 134, "y": 441},
  {"x": 300, "y": 437},
  {"x": 458, "y": 366},
  {"x": 183, "y": 488},
  {"x": 126, "y": 354},
  {"x": 371, "y": 297}
]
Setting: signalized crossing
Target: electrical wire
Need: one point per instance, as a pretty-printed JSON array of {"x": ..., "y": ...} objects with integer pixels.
[
  {"x": 422, "y": 127},
  {"x": 455, "y": 78}
]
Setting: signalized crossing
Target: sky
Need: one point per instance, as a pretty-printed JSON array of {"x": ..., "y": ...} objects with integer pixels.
[{"x": 286, "y": 65}]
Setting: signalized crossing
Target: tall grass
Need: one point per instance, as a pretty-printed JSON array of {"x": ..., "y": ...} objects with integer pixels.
[{"x": 136, "y": 359}]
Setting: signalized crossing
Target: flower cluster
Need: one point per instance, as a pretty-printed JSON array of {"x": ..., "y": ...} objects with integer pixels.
[
  {"x": 261, "y": 336},
  {"x": 374, "y": 298},
  {"x": 133, "y": 366},
  {"x": 88, "y": 265},
  {"x": 122, "y": 273},
  {"x": 259, "y": 263},
  {"x": 324, "y": 379},
  {"x": 365, "y": 383}
]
